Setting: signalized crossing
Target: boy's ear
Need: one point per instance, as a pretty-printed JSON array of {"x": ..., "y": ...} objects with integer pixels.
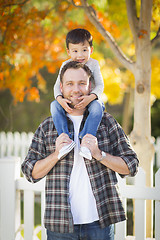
[{"x": 91, "y": 49}]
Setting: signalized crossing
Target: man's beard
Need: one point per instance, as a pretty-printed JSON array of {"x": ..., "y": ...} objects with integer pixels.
[{"x": 71, "y": 105}]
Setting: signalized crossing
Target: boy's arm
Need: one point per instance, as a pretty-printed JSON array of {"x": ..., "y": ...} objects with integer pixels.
[
  {"x": 85, "y": 100},
  {"x": 98, "y": 79},
  {"x": 57, "y": 90}
]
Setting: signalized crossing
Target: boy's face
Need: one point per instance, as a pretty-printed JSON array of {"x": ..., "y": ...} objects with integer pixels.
[{"x": 80, "y": 52}]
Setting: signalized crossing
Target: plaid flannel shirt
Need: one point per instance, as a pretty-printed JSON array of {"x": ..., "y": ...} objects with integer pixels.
[{"x": 111, "y": 139}]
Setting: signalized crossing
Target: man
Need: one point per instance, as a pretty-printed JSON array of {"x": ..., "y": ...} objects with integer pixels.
[{"x": 82, "y": 201}]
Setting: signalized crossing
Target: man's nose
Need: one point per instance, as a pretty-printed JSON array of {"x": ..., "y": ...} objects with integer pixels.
[{"x": 76, "y": 88}]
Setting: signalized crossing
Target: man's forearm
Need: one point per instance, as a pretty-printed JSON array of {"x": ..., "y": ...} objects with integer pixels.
[
  {"x": 42, "y": 167},
  {"x": 115, "y": 163}
]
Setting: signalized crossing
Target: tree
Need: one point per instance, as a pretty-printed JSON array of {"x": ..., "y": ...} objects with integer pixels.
[{"x": 140, "y": 25}]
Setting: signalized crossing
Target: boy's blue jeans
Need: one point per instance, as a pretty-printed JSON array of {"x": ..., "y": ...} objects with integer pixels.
[
  {"x": 91, "y": 231},
  {"x": 91, "y": 125}
]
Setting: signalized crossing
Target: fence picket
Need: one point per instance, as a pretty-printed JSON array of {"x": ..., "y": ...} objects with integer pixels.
[
  {"x": 140, "y": 208},
  {"x": 120, "y": 228},
  {"x": 28, "y": 214},
  {"x": 43, "y": 233},
  {"x": 157, "y": 207}
]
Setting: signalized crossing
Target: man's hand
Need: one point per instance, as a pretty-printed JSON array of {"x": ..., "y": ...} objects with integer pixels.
[
  {"x": 61, "y": 141},
  {"x": 64, "y": 103},
  {"x": 91, "y": 143}
]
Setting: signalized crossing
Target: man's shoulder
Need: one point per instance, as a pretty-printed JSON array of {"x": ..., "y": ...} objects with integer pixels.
[
  {"x": 108, "y": 119},
  {"x": 47, "y": 123}
]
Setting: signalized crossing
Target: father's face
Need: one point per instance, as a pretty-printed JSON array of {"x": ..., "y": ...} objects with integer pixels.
[{"x": 75, "y": 84}]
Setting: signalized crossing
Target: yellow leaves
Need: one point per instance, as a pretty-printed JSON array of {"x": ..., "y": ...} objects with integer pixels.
[
  {"x": 113, "y": 85},
  {"x": 155, "y": 79}
]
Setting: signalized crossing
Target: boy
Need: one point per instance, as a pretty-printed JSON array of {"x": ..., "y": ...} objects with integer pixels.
[{"x": 79, "y": 48}]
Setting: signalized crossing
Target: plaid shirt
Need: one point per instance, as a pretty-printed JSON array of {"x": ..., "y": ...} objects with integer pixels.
[{"x": 111, "y": 139}]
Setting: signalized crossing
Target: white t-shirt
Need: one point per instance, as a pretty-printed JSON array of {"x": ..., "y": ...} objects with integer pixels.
[{"x": 82, "y": 200}]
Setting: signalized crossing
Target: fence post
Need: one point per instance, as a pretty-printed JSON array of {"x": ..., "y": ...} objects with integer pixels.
[
  {"x": 9, "y": 167},
  {"x": 157, "y": 207},
  {"x": 140, "y": 208}
]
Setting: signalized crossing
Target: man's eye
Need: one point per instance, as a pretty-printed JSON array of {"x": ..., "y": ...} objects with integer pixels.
[
  {"x": 75, "y": 51},
  {"x": 85, "y": 50}
]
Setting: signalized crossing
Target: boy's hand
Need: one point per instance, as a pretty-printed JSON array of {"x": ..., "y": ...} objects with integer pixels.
[
  {"x": 85, "y": 100},
  {"x": 64, "y": 103}
]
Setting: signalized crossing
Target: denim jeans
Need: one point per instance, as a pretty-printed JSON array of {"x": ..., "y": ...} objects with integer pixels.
[
  {"x": 91, "y": 231},
  {"x": 91, "y": 125}
]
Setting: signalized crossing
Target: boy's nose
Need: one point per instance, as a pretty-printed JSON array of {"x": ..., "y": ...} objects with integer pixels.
[{"x": 80, "y": 54}]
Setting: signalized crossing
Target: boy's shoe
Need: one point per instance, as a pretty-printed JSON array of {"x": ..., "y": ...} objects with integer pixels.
[
  {"x": 66, "y": 149},
  {"x": 85, "y": 152}
]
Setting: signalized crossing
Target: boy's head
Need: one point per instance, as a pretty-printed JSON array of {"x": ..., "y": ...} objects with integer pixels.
[
  {"x": 78, "y": 35},
  {"x": 79, "y": 45}
]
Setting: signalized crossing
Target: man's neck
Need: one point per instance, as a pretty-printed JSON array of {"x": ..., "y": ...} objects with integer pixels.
[{"x": 77, "y": 112}]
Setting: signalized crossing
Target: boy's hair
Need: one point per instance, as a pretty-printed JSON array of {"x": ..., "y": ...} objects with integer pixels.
[
  {"x": 78, "y": 35},
  {"x": 75, "y": 65}
]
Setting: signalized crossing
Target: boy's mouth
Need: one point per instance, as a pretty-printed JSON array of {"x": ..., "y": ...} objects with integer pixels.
[{"x": 80, "y": 60}]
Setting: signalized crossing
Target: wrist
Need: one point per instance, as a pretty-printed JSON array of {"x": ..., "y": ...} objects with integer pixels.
[
  {"x": 103, "y": 155},
  {"x": 59, "y": 97}
]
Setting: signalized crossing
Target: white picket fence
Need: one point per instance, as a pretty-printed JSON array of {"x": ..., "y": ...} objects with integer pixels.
[
  {"x": 12, "y": 186},
  {"x": 16, "y": 144}
]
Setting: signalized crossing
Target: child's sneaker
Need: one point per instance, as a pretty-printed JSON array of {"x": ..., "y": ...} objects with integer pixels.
[
  {"x": 66, "y": 149},
  {"x": 85, "y": 152}
]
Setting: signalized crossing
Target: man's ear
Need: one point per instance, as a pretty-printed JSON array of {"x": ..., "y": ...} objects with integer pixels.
[
  {"x": 90, "y": 86},
  {"x": 68, "y": 52}
]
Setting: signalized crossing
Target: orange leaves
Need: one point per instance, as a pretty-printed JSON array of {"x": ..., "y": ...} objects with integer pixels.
[
  {"x": 108, "y": 25},
  {"x": 41, "y": 82},
  {"x": 33, "y": 94},
  {"x": 31, "y": 39}
]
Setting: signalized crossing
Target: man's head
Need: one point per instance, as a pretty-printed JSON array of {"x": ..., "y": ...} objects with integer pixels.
[
  {"x": 79, "y": 45},
  {"x": 75, "y": 81}
]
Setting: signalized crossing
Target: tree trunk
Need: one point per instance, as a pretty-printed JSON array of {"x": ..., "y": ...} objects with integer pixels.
[
  {"x": 141, "y": 135},
  {"x": 127, "y": 110}
]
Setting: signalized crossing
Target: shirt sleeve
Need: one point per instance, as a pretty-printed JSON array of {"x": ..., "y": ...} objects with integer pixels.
[
  {"x": 37, "y": 151},
  {"x": 121, "y": 147},
  {"x": 99, "y": 84},
  {"x": 56, "y": 89}
]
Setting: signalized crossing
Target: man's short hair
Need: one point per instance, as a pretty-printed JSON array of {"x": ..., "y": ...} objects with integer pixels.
[
  {"x": 75, "y": 65},
  {"x": 79, "y": 35}
]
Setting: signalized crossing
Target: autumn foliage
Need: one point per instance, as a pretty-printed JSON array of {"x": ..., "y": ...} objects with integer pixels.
[{"x": 32, "y": 35}]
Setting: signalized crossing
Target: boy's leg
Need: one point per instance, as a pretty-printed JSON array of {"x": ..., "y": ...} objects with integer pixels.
[
  {"x": 61, "y": 125},
  {"x": 96, "y": 109},
  {"x": 59, "y": 118}
]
